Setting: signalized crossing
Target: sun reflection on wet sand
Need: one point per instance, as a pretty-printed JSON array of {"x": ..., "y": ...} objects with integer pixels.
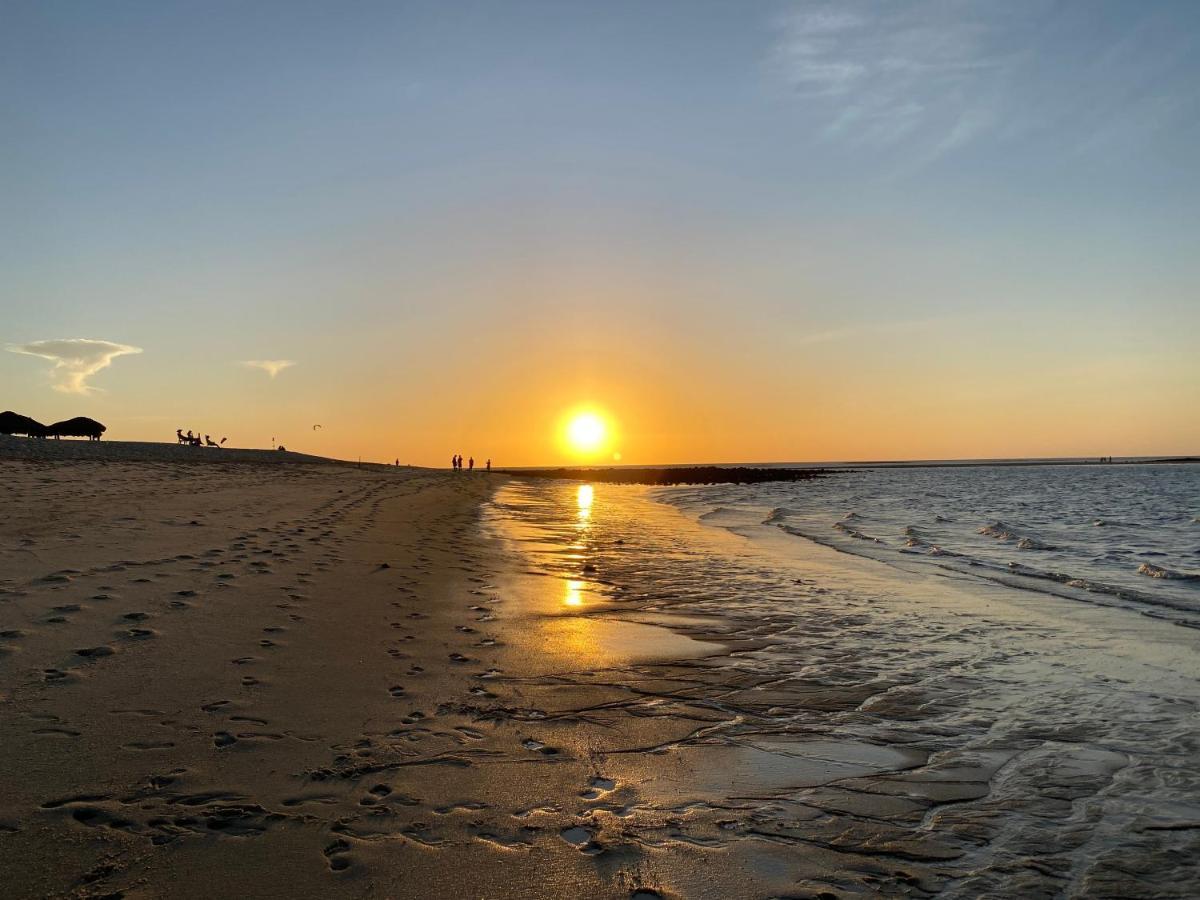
[
  {"x": 561, "y": 525},
  {"x": 583, "y": 499},
  {"x": 574, "y": 595}
]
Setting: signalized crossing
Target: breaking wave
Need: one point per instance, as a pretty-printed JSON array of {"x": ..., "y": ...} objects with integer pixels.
[
  {"x": 1153, "y": 571},
  {"x": 1002, "y": 532}
]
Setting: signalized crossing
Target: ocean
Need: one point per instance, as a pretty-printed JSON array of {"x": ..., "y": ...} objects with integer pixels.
[
  {"x": 986, "y": 676},
  {"x": 1120, "y": 535}
]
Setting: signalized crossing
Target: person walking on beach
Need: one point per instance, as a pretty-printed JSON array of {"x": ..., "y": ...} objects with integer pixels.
[
  {"x": 489, "y": 464},
  {"x": 471, "y": 464},
  {"x": 454, "y": 461}
]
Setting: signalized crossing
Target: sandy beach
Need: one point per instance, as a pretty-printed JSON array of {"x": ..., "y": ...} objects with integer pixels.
[{"x": 256, "y": 679}]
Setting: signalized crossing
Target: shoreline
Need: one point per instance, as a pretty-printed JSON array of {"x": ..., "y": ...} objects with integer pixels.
[
  {"x": 854, "y": 702},
  {"x": 315, "y": 679},
  {"x": 833, "y": 467},
  {"x": 12, "y": 447}
]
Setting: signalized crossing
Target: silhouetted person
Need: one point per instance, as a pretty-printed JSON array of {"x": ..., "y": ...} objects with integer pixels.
[
  {"x": 489, "y": 464},
  {"x": 471, "y": 464}
]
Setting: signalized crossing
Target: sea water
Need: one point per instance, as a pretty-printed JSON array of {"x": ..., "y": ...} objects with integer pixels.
[
  {"x": 1021, "y": 638},
  {"x": 1116, "y": 534}
]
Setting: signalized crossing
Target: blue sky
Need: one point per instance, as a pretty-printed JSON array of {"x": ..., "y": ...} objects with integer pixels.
[{"x": 870, "y": 201}]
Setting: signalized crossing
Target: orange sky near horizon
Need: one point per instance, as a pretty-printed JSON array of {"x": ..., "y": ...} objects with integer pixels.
[{"x": 927, "y": 393}]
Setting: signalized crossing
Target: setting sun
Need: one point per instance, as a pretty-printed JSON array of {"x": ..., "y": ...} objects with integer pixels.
[{"x": 586, "y": 433}]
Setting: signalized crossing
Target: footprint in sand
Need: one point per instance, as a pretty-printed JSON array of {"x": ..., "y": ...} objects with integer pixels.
[
  {"x": 56, "y": 732},
  {"x": 598, "y": 787},
  {"x": 581, "y": 839},
  {"x": 95, "y": 652},
  {"x": 461, "y": 806},
  {"x": 335, "y": 853}
]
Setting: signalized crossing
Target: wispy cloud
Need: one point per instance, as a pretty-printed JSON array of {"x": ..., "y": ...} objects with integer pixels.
[
  {"x": 271, "y": 366},
  {"x": 885, "y": 74},
  {"x": 938, "y": 76},
  {"x": 75, "y": 360},
  {"x": 866, "y": 330}
]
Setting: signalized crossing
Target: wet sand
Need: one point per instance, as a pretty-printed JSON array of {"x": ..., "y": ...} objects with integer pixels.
[{"x": 262, "y": 680}]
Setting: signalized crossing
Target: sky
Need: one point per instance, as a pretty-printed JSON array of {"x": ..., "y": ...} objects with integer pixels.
[{"x": 739, "y": 231}]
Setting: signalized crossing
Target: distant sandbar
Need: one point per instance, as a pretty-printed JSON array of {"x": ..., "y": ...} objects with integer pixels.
[{"x": 679, "y": 475}]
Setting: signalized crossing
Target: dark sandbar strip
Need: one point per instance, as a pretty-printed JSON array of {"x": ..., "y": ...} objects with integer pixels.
[{"x": 680, "y": 475}]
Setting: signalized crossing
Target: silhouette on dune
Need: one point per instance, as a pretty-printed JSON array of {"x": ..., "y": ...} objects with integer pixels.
[
  {"x": 80, "y": 426},
  {"x": 15, "y": 423}
]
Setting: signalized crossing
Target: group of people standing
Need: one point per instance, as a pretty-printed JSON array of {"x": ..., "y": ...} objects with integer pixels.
[{"x": 456, "y": 463}]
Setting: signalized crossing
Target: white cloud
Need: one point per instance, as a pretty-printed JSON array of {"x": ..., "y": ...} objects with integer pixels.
[
  {"x": 271, "y": 366},
  {"x": 75, "y": 360}
]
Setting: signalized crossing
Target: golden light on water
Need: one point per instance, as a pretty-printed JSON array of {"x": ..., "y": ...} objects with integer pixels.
[
  {"x": 574, "y": 595},
  {"x": 584, "y": 498}
]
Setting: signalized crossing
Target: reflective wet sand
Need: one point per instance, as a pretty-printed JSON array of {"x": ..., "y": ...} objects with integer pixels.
[{"x": 869, "y": 728}]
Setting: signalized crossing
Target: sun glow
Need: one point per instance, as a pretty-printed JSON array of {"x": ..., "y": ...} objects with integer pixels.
[{"x": 587, "y": 433}]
